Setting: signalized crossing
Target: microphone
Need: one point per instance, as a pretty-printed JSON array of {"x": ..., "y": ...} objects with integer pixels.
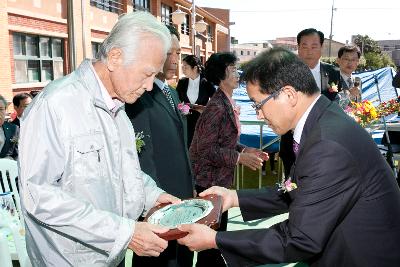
[{"x": 357, "y": 81}]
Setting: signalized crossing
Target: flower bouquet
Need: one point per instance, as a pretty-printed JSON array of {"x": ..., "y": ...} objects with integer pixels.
[{"x": 363, "y": 113}]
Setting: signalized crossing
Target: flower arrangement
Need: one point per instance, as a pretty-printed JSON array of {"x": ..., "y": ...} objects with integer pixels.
[
  {"x": 286, "y": 186},
  {"x": 183, "y": 108},
  {"x": 363, "y": 113},
  {"x": 139, "y": 141},
  {"x": 366, "y": 114},
  {"x": 389, "y": 107}
]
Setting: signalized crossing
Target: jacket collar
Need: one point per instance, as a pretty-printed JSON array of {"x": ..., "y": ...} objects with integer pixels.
[
  {"x": 227, "y": 103},
  {"x": 315, "y": 114},
  {"x": 160, "y": 98},
  {"x": 88, "y": 78}
]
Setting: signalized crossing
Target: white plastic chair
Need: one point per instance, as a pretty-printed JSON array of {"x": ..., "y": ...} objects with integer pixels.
[
  {"x": 9, "y": 170},
  {"x": 9, "y": 167}
]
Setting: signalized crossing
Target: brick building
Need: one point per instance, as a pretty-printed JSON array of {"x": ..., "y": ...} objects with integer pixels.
[{"x": 42, "y": 40}]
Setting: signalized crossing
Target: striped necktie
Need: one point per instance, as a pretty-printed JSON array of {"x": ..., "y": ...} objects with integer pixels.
[
  {"x": 168, "y": 95},
  {"x": 350, "y": 82}
]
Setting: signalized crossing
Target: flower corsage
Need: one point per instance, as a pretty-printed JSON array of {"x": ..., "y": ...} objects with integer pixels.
[
  {"x": 333, "y": 88},
  {"x": 139, "y": 141},
  {"x": 183, "y": 108},
  {"x": 286, "y": 186}
]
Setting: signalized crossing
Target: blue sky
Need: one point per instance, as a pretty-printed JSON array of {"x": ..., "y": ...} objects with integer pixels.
[{"x": 257, "y": 20}]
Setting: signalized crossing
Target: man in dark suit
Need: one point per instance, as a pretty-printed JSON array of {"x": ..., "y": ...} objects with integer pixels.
[
  {"x": 348, "y": 59},
  {"x": 327, "y": 77},
  {"x": 8, "y": 134},
  {"x": 8, "y": 137},
  {"x": 20, "y": 102},
  {"x": 343, "y": 211},
  {"x": 164, "y": 155}
]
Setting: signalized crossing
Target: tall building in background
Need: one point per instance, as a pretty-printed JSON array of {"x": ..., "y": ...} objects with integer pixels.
[{"x": 42, "y": 40}]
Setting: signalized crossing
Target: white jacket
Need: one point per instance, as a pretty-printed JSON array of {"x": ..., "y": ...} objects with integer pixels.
[{"x": 80, "y": 180}]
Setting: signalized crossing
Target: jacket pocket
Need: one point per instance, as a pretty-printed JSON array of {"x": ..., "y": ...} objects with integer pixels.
[{"x": 89, "y": 157}]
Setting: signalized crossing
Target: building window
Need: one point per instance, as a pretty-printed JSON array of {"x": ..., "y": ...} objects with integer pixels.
[
  {"x": 248, "y": 53},
  {"x": 166, "y": 12},
  {"x": 241, "y": 53},
  {"x": 397, "y": 47},
  {"x": 210, "y": 33},
  {"x": 142, "y": 5},
  {"x": 114, "y": 6},
  {"x": 37, "y": 58},
  {"x": 185, "y": 25},
  {"x": 95, "y": 49}
]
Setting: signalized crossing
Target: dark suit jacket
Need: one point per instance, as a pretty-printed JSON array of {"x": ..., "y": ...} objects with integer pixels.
[
  {"x": 15, "y": 121},
  {"x": 206, "y": 91},
  {"x": 164, "y": 156},
  {"x": 345, "y": 211},
  {"x": 214, "y": 151},
  {"x": 10, "y": 148},
  {"x": 329, "y": 74}
]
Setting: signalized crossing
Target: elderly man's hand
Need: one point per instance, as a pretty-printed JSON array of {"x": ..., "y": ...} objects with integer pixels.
[
  {"x": 146, "y": 242},
  {"x": 200, "y": 237},
  {"x": 229, "y": 197},
  {"x": 167, "y": 198}
]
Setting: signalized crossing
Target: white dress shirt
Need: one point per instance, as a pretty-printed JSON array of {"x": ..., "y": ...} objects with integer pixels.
[
  {"x": 193, "y": 89},
  {"x": 300, "y": 125},
  {"x": 346, "y": 78},
  {"x": 316, "y": 72}
]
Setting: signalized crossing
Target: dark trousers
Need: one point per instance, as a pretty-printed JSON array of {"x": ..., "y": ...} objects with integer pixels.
[{"x": 212, "y": 257}]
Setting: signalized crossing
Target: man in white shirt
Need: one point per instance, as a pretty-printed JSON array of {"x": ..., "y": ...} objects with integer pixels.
[
  {"x": 348, "y": 60},
  {"x": 326, "y": 76},
  {"x": 310, "y": 42}
]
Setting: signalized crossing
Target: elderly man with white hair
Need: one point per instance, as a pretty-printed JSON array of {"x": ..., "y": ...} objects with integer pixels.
[{"x": 81, "y": 184}]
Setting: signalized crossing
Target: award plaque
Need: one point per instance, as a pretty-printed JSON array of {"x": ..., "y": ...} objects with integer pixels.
[{"x": 206, "y": 210}]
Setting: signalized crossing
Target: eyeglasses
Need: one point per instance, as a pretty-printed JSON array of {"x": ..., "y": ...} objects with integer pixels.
[
  {"x": 258, "y": 106},
  {"x": 351, "y": 60}
]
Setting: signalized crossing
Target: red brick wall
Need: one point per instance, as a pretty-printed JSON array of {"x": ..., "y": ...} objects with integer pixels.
[
  {"x": 99, "y": 34},
  {"x": 222, "y": 14},
  {"x": 11, "y": 56},
  {"x": 34, "y": 23}
]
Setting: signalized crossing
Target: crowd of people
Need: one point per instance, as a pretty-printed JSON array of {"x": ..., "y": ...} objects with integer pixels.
[{"x": 85, "y": 189}]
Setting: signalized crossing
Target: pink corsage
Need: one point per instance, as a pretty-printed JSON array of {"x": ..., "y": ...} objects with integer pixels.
[
  {"x": 333, "y": 88},
  {"x": 183, "y": 108},
  {"x": 287, "y": 186}
]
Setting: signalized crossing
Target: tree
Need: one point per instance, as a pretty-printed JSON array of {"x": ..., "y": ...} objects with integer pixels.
[{"x": 366, "y": 44}]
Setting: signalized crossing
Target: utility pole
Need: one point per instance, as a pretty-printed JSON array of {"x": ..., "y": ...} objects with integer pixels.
[
  {"x": 330, "y": 34},
  {"x": 193, "y": 33}
]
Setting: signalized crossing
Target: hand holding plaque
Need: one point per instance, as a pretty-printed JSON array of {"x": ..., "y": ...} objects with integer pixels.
[{"x": 206, "y": 210}]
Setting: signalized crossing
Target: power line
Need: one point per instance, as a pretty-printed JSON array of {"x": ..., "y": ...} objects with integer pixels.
[{"x": 314, "y": 9}]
